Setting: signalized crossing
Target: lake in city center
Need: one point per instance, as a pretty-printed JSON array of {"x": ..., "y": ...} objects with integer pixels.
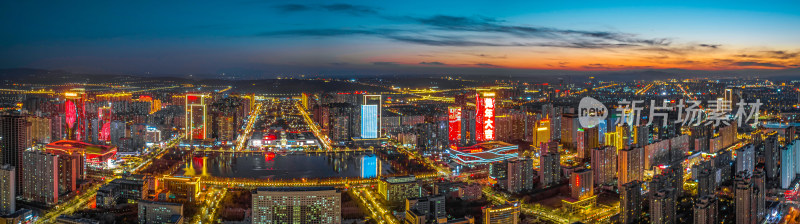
[{"x": 286, "y": 166}]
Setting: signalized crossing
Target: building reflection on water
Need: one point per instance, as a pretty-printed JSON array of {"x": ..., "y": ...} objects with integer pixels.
[{"x": 285, "y": 165}]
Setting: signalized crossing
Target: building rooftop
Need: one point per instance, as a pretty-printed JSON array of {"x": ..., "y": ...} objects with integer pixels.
[{"x": 289, "y": 189}]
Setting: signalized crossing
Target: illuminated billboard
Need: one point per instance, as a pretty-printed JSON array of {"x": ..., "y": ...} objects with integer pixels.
[
  {"x": 75, "y": 113},
  {"x": 484, "y": 116},
  {"x": 454, "y": 120}
]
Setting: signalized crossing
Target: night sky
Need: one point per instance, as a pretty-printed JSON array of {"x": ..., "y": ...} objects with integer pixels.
[{"x": 265, "y": 38}]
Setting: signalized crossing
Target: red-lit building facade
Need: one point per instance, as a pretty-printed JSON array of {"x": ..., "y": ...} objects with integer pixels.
[{"x": 484, "y": 116}]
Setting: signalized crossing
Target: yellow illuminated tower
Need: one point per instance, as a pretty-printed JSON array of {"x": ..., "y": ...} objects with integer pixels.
[{"x": 542, "y": 132}]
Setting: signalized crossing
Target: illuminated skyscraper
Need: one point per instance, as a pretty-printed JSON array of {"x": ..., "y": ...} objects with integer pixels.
[
  {"x": 728, "y": 101},
  {"x": 304, "y": 100},
  {"x": 13, "y": 141},
  {"x": 614, "y": 139},
  {"x": 631, "y": 165},
  {"x": 550, "y": 168},
  {"x": 484, "y": 116},
  {"x": 787, "y": 166},
  {"x": 587, "y": 140},
  {"x": 454, "y": 124},
  {"x": 225, "y": 128},
  {"x": 569, "y": 130},
  {"x": 542, "y": 133},
  {"x": 604, "y": 161},
  {"x": 520, "y": 174},
  {"x": 196, "y": 124},
  {"x": 339, "y": 123},
  {"x": 371, "y": 117},
  {"x": 75, "y": 112}
]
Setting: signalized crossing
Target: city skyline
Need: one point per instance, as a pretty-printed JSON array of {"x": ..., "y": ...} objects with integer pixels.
[{"x": 400, "y": 112}]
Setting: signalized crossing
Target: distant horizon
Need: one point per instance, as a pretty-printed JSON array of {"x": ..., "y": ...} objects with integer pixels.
[{"x": 505, "y": 73}]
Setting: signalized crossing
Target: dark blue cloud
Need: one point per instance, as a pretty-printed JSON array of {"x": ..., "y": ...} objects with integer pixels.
[
  {"x": 753, "y": 63},
  {"x": 357, "y": 10},
  {"x": 292, "y": 8},
  {"x": 715, "y": 46},
  {"x": 384, "y": 63},
  {"x": 351, "y": 9},
  {"x": 431, "y": 63}
]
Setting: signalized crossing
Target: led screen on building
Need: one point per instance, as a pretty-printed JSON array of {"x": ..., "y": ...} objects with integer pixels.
[
  {"x": 454, "y": 119},
  {"x": 484, "y": 119},
  {"x": 369, "y": 121}
]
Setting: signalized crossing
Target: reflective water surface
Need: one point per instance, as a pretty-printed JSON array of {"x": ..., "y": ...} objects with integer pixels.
[{"x": 285, "y": 166}]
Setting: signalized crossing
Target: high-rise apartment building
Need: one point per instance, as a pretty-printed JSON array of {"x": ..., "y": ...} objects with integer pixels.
[
  {"x": 743, "y": 202},
  {"x": 581, "y": 184},
  {"x": 630, "y": 195},
  {"x": 604, "y": 164},
  {"x": 662, "y": 207},
  {"x": 13, "y": 141},
  {"x": 520, "y": 174},
  {"x": 705, "y": 210},
  {"x": 8, "y": 190},
  {"x": 40, "y": 177},
  {"x": 196, "y": 117},
  {"x": 550, "y": 168},
  {"x": 631, "y": 165}
]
